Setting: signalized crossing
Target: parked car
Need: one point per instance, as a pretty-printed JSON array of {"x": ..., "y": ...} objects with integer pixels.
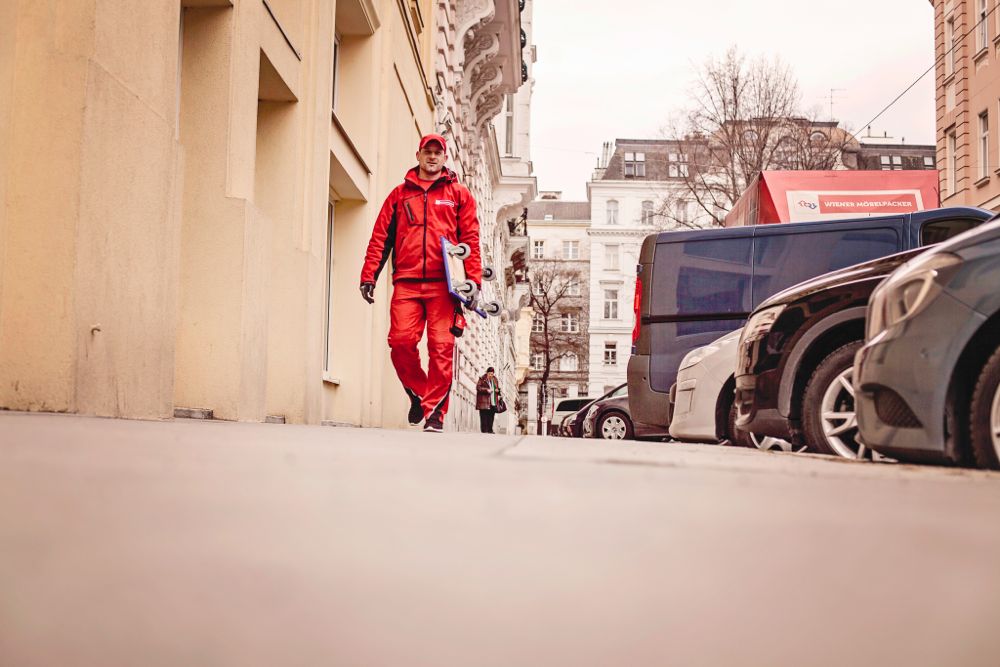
[
  {"x": 566, "y": 407},
  {"x": 795, "y": 358},
  {"x": 701, "y": 401},
  {"x": 608, "y": 417},
  {"x": 928, "y": 377},
  {"x": 694, "y": 286},
  {"x": 573, "y": 424}
]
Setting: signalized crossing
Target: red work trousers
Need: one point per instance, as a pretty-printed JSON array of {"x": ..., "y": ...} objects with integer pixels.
[{"x": 413, "y": 306}]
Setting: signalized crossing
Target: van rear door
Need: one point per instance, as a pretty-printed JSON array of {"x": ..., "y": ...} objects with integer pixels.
[{"x": 698, "y": 290}]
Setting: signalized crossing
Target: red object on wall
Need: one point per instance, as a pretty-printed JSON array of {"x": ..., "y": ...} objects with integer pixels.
[{"x": 800, "y": 196}]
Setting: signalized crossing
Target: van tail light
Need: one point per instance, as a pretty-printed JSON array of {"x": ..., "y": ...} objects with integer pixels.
[{"x": 637, "y": 307}]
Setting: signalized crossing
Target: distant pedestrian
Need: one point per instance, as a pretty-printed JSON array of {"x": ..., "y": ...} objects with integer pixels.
[{"x": 488, "y": 400}]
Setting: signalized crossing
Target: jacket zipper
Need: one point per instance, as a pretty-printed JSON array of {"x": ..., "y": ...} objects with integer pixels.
[{"x": 425, "y": 234}]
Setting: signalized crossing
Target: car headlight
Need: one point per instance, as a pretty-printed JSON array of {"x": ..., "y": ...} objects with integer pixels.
[
  {"x": 696, "y": 356},
  {"x": 760, "y": 323},
  {"x": 909, "y": 290}
]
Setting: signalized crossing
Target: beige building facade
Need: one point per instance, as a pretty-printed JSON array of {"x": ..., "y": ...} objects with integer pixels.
[
  {"x": 186, "y": 193},
  {"x": 967, "y": 51}
]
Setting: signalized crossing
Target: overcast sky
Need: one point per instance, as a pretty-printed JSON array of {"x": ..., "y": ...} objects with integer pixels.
[{"x": 621, "y": 68}]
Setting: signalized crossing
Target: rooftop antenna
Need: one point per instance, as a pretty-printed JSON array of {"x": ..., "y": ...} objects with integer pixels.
[{"x": 833, "y": 99}]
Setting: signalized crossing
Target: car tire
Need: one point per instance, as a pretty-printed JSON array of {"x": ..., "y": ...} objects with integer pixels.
[
  {"x": 829, "y": 418},
  {"x": 984, "y": 415},
  {"x": 735, "y": 436},
  {"x": 614, "y": 425}
]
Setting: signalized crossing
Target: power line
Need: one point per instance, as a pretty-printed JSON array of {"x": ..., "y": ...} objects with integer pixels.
[{"x": 930, "y": 69}]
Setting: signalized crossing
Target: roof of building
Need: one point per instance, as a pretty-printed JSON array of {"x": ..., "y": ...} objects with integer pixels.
[
  {"x": 559, "y": 210},
  {"x": 655, "y": 152},
  {"x": 898, "y": 147}
]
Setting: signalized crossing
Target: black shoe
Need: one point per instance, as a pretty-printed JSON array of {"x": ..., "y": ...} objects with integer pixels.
[
  {"x": 416, "y": 414},
  {"x": 433, "y": 424}
]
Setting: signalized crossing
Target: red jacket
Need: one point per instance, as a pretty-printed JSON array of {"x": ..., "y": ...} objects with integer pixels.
[{"x": 410, "y": 226}]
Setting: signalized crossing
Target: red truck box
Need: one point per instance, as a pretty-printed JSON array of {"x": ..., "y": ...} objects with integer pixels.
[{"x": 800, "y": 196}]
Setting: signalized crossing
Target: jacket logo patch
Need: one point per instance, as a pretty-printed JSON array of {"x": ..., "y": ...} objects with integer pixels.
[{"x": 444, "y": 202}]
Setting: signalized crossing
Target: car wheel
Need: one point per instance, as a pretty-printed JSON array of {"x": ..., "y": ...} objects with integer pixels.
[
  {"x": 615, "y": 426},
  {"x": 829, "y": 418},
  {"x": 740, "y": 438},
  {"x": 984, "y": 415}
]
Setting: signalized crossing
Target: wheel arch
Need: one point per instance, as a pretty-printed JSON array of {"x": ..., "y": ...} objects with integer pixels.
[
  {"x": 722, "y": 405},
  {"x": 977, "y": 350},
  {"x": 826, "y": 336}
]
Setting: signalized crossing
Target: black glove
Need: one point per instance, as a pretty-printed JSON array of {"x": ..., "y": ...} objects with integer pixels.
[{"x": 368, "y": 292}]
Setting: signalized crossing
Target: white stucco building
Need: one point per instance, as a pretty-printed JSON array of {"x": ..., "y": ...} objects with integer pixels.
[
  {"x": 558, "y": 236},
  {"x": 632, "y": 181}
]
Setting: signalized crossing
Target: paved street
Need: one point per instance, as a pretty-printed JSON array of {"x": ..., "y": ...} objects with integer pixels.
[{"x": 207, "y": 543}]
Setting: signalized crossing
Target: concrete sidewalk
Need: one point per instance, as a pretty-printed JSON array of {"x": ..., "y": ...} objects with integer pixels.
[{"x": 206, "y": 543}]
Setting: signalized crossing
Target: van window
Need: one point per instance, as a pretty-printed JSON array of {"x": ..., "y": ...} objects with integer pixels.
[
  {"x": 942, "y": 230},
  {"x": 702, "y": 277},
  {"x": 783, "y": 260},
  {"x": 573, "y": 404}
]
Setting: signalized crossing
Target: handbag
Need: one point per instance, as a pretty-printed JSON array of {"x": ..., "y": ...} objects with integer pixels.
[{"x": 501, "y": 405}]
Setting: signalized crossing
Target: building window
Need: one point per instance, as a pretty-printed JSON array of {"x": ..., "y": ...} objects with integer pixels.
[
  {"x": 569, "y": 323},
  {"x": 635, "y": 165},
  {"x": 647, "y": 212},
  {"x": 573, "y": 287},
  {"x": 677, "y": 165},
  {"x": 336, "y": 72},
  {"x": 950, "y": 46},
  {"x": 982, "y": 26},
  {"x": 612, "y": 212},
  {"x": 611, "y": 257},
  {"x": 951, "y": 182},
  {"x": 538, "y": 323},
  {"x": 508, "y": 138},
  {"x": 611, "y": 304},
  {"x": 571, "y": 250},
  {"x": 538, "y": 250},
  {"x": 891, "y": 162},
  {"x": 611, "y": 354},
  {"x": 929, "y": 162},
  {"x": 537, "y": 361},
  {"x": 683, "y": 211},
  {"x": 570, "y": 362},
  {"x": 984, "y": 144}
]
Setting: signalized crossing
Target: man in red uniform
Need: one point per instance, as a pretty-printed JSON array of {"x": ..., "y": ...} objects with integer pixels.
[{"x": 430, "y": 203}]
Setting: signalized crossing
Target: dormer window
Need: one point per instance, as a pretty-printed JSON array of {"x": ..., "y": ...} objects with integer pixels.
[{"x": 635, "y": 165}]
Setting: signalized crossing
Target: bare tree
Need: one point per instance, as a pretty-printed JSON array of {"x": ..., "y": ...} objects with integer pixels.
[
  {"x": 745, "y": 117},
  {"x": 557, "y": 331}
]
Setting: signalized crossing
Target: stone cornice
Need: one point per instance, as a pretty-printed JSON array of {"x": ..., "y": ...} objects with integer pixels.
[{"x": 629, "y": 233}]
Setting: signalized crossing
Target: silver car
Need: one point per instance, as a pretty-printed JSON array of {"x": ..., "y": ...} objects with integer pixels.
[
  {"x": 927, "y": 380},
  {"x": 701, "y": 401}
]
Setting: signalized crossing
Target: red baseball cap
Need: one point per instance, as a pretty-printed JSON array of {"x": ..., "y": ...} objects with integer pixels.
[{"x": 427, "y": 138}]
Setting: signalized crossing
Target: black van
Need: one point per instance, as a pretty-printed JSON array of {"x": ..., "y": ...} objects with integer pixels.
[{"x": 695, "y": 286}]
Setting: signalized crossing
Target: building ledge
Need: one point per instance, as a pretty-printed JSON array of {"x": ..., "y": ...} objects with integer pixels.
[
  {"x": 982, "y": 53},
  {"x": 982, "y": 181},
  {"x": 948, "y": 79}
]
